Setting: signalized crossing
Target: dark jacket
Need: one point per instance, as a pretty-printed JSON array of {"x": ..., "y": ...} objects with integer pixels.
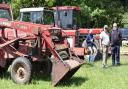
[
  {"x": 116, "y": 38},
  {"x": 89, "y": 40}
]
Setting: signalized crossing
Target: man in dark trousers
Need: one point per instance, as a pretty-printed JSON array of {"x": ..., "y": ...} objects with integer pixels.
[{"x": 116, "y": 41}]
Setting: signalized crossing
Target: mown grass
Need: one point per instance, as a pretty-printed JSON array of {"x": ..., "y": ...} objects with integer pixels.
[{"x": 89, "y": 76}]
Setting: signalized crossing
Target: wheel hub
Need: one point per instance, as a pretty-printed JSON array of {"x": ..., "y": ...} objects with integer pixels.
[{"x": 21, "y": 73}]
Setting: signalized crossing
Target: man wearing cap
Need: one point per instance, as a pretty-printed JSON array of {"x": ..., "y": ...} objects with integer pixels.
[
  {"x": 104, "y": 44},
  {"x": 116, "y": 40}
]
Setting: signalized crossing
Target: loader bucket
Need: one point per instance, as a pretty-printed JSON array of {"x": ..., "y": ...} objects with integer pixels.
[{"x": 63, "y": 71}]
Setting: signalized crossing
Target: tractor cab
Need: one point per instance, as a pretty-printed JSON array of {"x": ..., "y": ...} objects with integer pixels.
[
  {"x": 67, "y": 17},
  {"x": 39, "y": 15},
  {"x": 5, "y": 12}
]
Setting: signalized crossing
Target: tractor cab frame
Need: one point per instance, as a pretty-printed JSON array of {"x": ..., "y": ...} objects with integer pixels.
[
  {"x": 5, "y": 12},
  {"x": 39, "y": 15},
  {"x": 67, "y": 17}
]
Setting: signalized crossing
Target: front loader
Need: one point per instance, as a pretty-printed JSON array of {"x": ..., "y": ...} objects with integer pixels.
[{"x": 26, "y": 44}]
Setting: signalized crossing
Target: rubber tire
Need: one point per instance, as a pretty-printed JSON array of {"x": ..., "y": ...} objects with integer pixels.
[
  {"x": 64, "y": 55},
  {"x": 46, "y": 67},
  {"x": 98, "y": 54},
  {"x": 2, "y": 71},
  {"x": 26, "y": 64}
]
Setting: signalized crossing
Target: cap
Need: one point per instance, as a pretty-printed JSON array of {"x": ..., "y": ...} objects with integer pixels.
[
  {"x": 105, "y": 26},
  {"x": 114, "y": 24}
]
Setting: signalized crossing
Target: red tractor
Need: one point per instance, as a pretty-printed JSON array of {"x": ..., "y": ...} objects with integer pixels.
[
  {"x": 28, "y": 46},
  {"x": 68, "y": 18}
]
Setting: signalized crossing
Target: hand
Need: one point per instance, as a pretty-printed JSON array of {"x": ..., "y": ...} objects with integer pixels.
[
  {"x": 101, "y": 48},
  {"x": 91, "y": 40}
]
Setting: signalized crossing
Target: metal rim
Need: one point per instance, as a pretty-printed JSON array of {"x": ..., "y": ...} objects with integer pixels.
[{"x": 20, "y": 72}]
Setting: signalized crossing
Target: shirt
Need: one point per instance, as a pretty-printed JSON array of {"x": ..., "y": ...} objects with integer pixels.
[
  {"x": 104, "y": 38},
  {"x": 89, "y": 40},
  {"x": 84, "y": 44},
  {"x": 116, "y": 37}
]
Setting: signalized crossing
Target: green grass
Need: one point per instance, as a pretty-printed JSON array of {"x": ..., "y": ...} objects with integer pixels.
[{"x": 89, "y": 76}]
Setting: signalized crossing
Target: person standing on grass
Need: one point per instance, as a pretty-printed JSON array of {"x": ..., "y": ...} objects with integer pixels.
[
  {"x": 104, "y": 44},
  {"x": 116, "y": 41}
]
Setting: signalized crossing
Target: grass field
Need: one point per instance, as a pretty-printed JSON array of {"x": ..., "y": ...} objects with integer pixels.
[{"x": 89, "y": 76}]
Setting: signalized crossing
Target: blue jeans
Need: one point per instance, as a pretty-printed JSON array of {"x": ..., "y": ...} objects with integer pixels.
[
  {"x": 115, "y": 55},
  {"x": 91, "y": 56}
]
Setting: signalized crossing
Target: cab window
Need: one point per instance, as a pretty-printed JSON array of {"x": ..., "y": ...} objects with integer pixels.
[
  {"x": 48, "y": 17},
  {"x": 26, "y": 16},
  {"x": 5, "y": 14}
]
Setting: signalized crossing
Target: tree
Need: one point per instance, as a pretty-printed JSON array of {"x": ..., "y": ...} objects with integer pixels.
[
  {"x": 94, "y": 13},
  {"x": 98, "y": 12},
  {"x": 103, "y": 11},
  {"x": 6, "y": 1}
]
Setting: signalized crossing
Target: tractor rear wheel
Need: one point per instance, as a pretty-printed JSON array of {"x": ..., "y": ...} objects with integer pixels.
[
  {"x": 46, "y": 67},
  {"x": 2, "y": 71},
  {"x": 21, "y": 70},
  {"x": 97, "y": 53}
]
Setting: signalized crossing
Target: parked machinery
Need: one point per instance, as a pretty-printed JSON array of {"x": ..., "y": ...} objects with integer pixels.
[
  {"x": 67, "y": 18},
  {"x": 26, "y": 44}
]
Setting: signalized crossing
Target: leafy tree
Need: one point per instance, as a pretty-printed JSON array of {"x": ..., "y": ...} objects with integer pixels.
[
  {"x": 103, "y": 11},
  {"x": 94, "y": 13},
  {"x": 8, "y": 1}
]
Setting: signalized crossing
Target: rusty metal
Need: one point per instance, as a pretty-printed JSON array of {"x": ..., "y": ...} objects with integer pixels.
[
  {"x": 8, "y": 43},
  {"x": 61, "y": 72},
  {"x": 20, "y": 73}
]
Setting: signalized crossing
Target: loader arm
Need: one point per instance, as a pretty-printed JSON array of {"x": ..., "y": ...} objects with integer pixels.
[{"x": 51, "y": 47}]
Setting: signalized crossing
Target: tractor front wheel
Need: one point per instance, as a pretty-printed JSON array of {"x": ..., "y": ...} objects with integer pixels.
[{"x": 21, "y": 70}]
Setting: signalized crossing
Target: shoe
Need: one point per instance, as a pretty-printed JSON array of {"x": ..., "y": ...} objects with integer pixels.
[
  {"x": 104, "y": 66},
  {"x": 113, "y": 64},
  {"x": 118, "y": 64}
]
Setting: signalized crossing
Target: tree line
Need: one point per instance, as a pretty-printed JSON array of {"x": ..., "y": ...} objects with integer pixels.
[{"x": 94, "y": 13}]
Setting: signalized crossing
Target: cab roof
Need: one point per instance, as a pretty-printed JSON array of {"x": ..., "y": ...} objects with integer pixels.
[
  {"x": 4, "y": 6},
  {"x": 31, "y": 9},
  {"x": 67, "y": 8}
]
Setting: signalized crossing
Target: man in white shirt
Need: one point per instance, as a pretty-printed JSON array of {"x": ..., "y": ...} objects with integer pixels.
[{"x": 104, "y": 44}]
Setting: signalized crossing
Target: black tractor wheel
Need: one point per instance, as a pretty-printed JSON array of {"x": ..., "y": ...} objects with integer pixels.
[
  {"x": 2, "y": 71},
  {"x": 64, "y": 55},
  {"x": 21, "y": 70},
  {"x": 46, "y": 67},
  {"x": 97, "y": 52}
]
